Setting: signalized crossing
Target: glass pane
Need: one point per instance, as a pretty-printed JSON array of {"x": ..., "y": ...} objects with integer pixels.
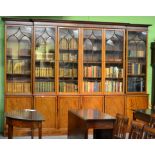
[
  {"x": 18, "y": 52},
  {"x": 136, "y": 61},
  {"x": 68, "y": 60},
  {"x": 114, "y": 61},
  {"x": 92, "y": 57},
  {"x": 44, "y": 59}
]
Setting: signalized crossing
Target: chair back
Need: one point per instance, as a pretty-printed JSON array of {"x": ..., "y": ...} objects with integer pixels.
[
  {"x": 120, "y": 126},
  {"x": 136, "y": 130},
  {"x": 152, "y": 121},
  {"x": 148, "y": 133}
]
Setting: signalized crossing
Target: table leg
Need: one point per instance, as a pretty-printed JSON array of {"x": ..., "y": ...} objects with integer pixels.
[
  {"x": 10, "y": 131},
  {"x": 134, "y": 118},
  {"x": 40, "y": 131},
  {"x": 32, "y": 133}
]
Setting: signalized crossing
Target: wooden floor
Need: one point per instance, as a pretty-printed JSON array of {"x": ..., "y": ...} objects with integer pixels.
[{"x": 44, "y": 137}]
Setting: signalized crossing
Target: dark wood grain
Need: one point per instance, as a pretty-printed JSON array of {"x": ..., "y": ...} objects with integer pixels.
[
  {"x": 79, "y": 121},
  {"x": 144, "y": 114},
  {"x": 24, "y": 119}
]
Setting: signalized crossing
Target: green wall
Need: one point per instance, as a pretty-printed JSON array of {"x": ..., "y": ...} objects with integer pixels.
[{"x": 124, "y": 19}]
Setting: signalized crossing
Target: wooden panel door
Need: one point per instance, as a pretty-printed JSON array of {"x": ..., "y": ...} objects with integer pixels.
[
  {"x": 64, "y": 104},
  {"x": 93, "y": 102},
  {"x": 17, "y": 103},
  {"x": 136, "y": 102},
  {"x": 47, "y": 106},
  {"x": 114, "y": 104}
]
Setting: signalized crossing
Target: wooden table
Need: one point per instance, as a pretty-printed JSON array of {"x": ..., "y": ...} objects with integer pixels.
[
  {"x": 26, "y": 119},
  {"x": 79, "y": 121},
  {"x": 144, "y": 115}
]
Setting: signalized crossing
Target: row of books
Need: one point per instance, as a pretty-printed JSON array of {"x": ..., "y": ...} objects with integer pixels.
[
  {"x": 138, "y": 53},
  {"x": 92, "y": 45},
  {"x": 135, "y": 84},
  {"x": 68, "y": 56},
  {"x": 45, "y": 56},
  {"x": 113, "y": 86},
  {"x": 45, "y": 47},
  {"x": 92, "y": 71},
  {"x": 68, "y": 87},
  {"x": 92, "y": 86},
  {"x": 68, "y": 44},
  {"x": 136, "y": 68},
  {"x": 114, "y": 46},
  {"x": 92, "y": 57},
  {"x": 114, "y": 72},
  {"x": 18, "y": 66},
  {"x": 19, "y": 87},
  {"x": 113, "y": 57},
  {"x": 68, "y": 72},
  {"x": 44, "y": 87},
  {"x": 14, "y": 54},
  {"x": 44, "y": 72}
]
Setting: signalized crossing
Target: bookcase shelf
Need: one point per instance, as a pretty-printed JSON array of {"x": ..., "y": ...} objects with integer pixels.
[
  {"x": 119, "y": 62},
  {"x": 92, "y": 78},
  {"x": 44, "y": 78},
  {"x": 19, "y": 57},
  {"x": 17, "y": 75},
  {"x": 138, "y": 57},
  {"x": 137, "y": 75},
  {"x": 61, "y": 62},
  {"x": 44, "y": 61},
  {"x": 115, "y": 78},
  {"x": 92, "y": 62}
]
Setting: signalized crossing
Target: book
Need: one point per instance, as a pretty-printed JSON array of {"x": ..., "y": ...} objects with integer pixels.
[
  {"x": 73, "y": 44},
  {"x": 25, "y": 52},
  {"x": 63, "y": 44},
  {"x": 9, "y": 66},
  {"x": 65, "y": 56},
  {"x": 61, "y": 72}
]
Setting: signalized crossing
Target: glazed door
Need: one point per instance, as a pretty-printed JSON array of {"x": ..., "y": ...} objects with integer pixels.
[
  {"x": 114, "y": 61},
  {"x": 18, "y": 60},
  {"x": 68, "y": 60},
  {"x": 92, "y": 61},
  {"x": 44, "y": 64},
  {"x": 136, "y": 61}
]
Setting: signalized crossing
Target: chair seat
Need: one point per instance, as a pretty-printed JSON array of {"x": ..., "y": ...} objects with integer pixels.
[
  {"x": 120, "y": 127},
  {"x": 148, "y": 133},
  {"x": 136, "y": 130}
]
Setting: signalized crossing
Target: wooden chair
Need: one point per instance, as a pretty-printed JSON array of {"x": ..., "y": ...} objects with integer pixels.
[
  {"x": 148, "y": 133},
  {"x": 152, "y": 121},
  {"x": 120, "y": 127},
  {"x": 136, "y": 130}
]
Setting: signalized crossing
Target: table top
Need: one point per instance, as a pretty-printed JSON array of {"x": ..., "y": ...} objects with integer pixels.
[
  {"x": 92, "y": 114},
  {"x": 25, "y": 114},
  {"x": 146, "y": 111}
]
